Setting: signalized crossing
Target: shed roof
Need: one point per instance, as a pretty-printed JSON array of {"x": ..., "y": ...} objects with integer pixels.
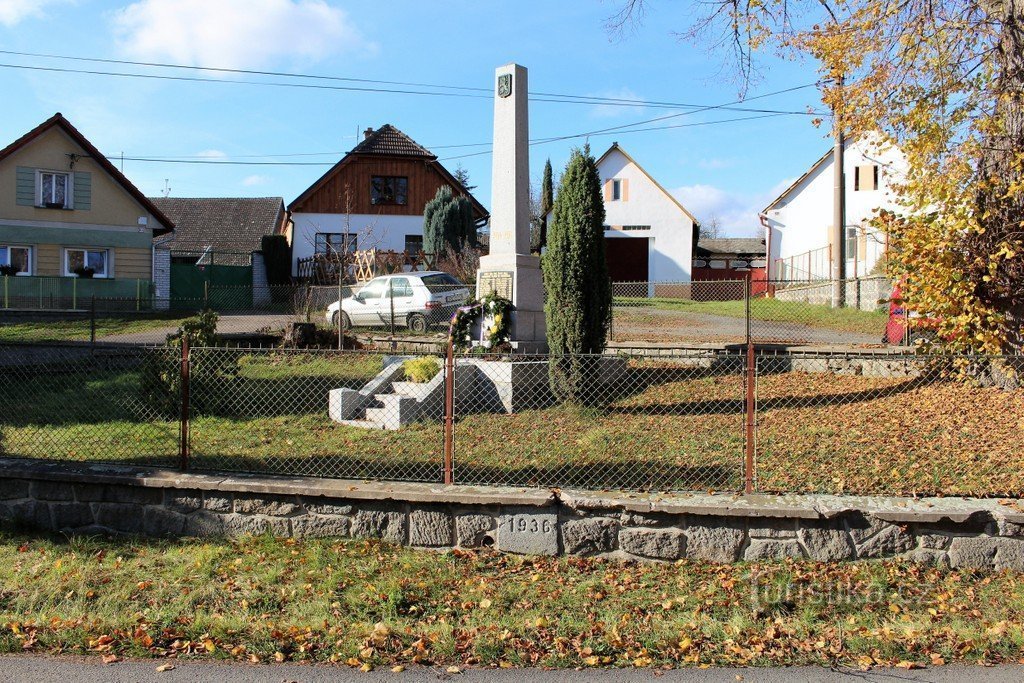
[
  {"x": 224, "y": 224},
  {"x": 748, "y": 246}
]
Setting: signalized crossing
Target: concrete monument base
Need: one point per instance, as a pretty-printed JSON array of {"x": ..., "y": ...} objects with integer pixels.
[{"x": 529, "y": 331}]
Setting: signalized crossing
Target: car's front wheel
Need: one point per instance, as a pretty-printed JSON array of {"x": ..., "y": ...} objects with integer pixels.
[
  {"x": 417, "y": 323},
  {"x": 346, "y": 322}
]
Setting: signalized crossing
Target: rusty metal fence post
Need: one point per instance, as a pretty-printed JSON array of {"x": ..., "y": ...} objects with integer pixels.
[
  {"x": 449, "y": 412},
  {"x": 749, "y": 402},
  {"x": 185, "y": 366}
]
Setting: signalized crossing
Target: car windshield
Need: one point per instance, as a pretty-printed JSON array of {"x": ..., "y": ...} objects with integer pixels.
[
  {"x": 373, "y": 290},
  {"x": 440, "y": 279}
]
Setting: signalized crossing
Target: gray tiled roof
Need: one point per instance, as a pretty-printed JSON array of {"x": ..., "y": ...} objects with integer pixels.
[
  {"x": 389, "y": 140},
  {"x": 226, "y": 224},
  {"x": 730, "y": 245}
]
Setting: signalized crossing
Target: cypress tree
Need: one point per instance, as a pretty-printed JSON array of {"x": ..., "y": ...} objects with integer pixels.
[
  {"x": 578, "y": 303},
  {"x": 547, "y": 196},
  {"x": 447, "y": 223}
]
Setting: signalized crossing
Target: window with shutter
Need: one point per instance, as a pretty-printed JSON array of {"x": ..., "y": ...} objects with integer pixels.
[{"x": 54, "y": 189}]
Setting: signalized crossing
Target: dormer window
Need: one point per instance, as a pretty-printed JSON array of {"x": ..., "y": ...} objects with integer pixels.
[{"x": 53, "y": 190}]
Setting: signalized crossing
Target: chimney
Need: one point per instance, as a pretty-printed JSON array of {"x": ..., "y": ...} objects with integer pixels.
[{"x": 367, "y": 133}]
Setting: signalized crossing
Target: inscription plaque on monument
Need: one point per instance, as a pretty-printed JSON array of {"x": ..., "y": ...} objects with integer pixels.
[{"x": 497, "y": 281}]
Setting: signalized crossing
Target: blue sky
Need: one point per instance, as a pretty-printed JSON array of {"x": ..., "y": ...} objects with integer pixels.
[{"x": 728, "y": 170}]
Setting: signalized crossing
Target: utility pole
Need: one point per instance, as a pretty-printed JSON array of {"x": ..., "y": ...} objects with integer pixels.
[{"x": 838, "y": 207}]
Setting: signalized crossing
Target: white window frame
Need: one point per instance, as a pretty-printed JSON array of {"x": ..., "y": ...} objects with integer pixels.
[
  {"x": 27, "y": 247},
  {"x": 851, "y": 234},
  {"x": 69, "y": 188},
  {"x": 616, "y": 189},
  {"x": 108, "y": 260}
]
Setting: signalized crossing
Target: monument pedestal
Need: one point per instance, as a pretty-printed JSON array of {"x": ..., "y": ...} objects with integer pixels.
[{"x": 521, "y": 274}]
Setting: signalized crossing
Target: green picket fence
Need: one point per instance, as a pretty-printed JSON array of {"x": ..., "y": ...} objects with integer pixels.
[{"x": 72, "y": 293}]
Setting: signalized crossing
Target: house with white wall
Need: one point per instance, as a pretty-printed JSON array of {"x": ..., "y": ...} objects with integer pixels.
[
  {"x": 648, "y": 233},
  {"x": 373, "y": 198},
  {"x": 798, "y": 222}
]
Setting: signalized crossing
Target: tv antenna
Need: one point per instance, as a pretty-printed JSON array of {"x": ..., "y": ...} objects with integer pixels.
[{"x": 167, "y": 188}]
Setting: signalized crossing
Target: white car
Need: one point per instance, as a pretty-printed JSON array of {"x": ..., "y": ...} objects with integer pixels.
[{"x": 420, "y": 299}]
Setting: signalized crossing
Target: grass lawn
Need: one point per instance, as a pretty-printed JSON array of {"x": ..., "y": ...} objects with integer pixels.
[
  {"x": 678, "y": 428},
  {"x": 761, "y": 309},
  {"x": 78, "y": 329},
  {"x": 369, "y": 604}
]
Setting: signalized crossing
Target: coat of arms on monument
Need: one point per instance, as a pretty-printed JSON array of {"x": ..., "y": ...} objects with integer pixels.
[{"x": 504, "y": 85}]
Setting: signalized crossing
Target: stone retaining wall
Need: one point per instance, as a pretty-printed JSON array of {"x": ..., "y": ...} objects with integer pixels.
[{"x": 105, "y": 499}]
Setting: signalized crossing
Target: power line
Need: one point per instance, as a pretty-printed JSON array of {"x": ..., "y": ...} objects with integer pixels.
[
  {"x": 622, "y": 127},
  {"x": 287, "y": 74},
  {"x": 561, "y": 98},
  {"x": 279, "y": 84},
  {"x": 540, "y": 141},
  {"x": 589, "y": 134},
  {"x": 227, "y": 162}
]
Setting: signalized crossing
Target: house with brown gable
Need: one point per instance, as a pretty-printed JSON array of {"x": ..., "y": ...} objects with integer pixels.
[{"x": 373, "y": 198}]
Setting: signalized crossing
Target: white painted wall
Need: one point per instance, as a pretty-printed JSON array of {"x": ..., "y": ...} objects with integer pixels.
[
  {"x": 374, "y": 232},
  {"x": 671, "y": 235},
  {"x": 800, "y": 222}
]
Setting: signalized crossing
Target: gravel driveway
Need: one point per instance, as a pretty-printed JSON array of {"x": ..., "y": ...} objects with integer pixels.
[
  {"x": 667, "y": 326},
  {"x": 226, "y": 324}
]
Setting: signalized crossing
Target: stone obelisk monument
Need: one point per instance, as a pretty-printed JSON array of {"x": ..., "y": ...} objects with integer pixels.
[{"x": 509, "y": 268}]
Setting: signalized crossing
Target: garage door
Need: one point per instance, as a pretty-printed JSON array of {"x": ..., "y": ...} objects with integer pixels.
[{"x": 627, "y": 258}]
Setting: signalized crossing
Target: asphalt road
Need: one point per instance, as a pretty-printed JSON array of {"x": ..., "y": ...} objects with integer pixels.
[{"x": 64, "y": 669}]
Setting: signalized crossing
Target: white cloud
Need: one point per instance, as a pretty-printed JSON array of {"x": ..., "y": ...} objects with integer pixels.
[
  {"x": 253, "y": 180},
  {"x": 606, "y": 111},
  {"x": 736, "y": 211},
  {"x": 212, "y": 154},
  {"x": 14, "y": 11},
  {"x": 234, "y": 33}
]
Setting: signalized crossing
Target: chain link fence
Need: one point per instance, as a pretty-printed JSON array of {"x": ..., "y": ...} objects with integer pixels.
[
  {"x": 721, "y": 313},
  {"x": 664, "y": 422},
  {"x": 81, "y": 404},
  {"x": 320, "y": 413},
  {"x": 655, "y": 420},
  {"x": 408, "y": 310}
]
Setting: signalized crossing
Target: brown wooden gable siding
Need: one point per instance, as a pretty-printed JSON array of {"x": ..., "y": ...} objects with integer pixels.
[{"x": 329, "y": 197}]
